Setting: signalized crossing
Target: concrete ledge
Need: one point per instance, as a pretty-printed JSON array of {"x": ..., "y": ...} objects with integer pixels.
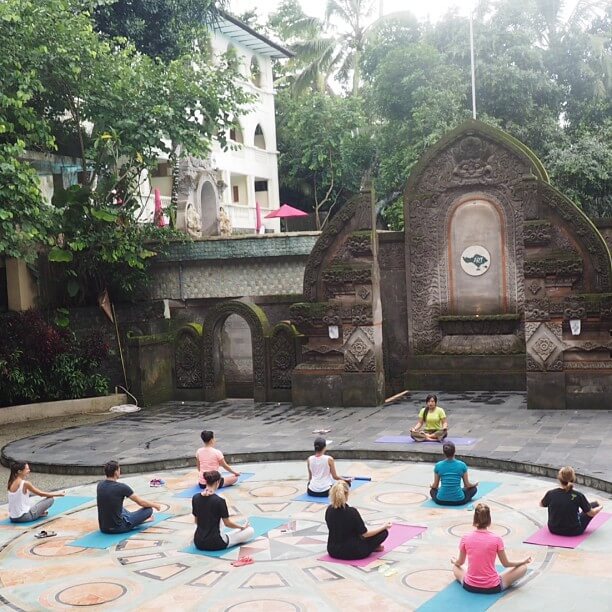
[
  {"x": 503, "y": 465},
  {"x": 45, "y": 410}
]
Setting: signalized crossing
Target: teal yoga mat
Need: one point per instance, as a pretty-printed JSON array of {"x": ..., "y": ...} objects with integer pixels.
[
  {"x": 60, "y": 505},
  {"x": 355, "y": 484},
  {"x": 454, "y": 597},
  {"x": 97, "y": 539},
  {"x": 484, "y": 488},
  {"x": 189, "y": 493},
  {"x": 260, "y": 524}
]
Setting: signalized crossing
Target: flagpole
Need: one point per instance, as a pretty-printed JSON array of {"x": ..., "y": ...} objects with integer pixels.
[{"x": 472, "y": 65}]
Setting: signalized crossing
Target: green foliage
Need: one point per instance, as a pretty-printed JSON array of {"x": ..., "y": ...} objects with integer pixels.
[
  {"x": 157, "y": 28},
  {"x": 325, "y": 171},
  {"x": 43, "y": 362},
  {"x": 114, "y": 107}
]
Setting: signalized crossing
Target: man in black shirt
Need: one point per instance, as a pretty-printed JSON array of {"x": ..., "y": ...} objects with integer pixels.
[
  {"x": 569, "y": 511},
  {"x": 112, "y": 516}
]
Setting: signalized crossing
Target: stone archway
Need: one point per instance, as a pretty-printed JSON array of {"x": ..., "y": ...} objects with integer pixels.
[
  {"x": 212, "y": 362},
  {"x": 208, "y": 209}
]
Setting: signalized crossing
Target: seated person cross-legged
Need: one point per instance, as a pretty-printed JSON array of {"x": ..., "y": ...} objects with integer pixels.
[
  {"x": 569, "y": 512},
  {"x": 481, "y": 547},
  {"x": 446, "y": 489},
  {"x": 112, "y": 516},
  {"x": 349, "y": 538},
  {"x": 432, "y": 425},
  {"x": 321, "y": 471},
  {"x": 209, "y": 510},
  {"x": 209, "y": 459}
]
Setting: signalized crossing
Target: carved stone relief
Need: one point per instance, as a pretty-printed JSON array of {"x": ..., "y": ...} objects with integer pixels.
[
  {"x": 544, "y": 346},
  {"x": 188, "y": 359},
  {"x": 359, "y": 349}
]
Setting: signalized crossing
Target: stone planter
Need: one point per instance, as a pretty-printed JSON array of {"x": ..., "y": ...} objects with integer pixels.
[{"x": 45, "y": 410}]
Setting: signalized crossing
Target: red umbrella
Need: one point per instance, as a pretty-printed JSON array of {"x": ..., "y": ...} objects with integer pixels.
[
  {"x": 257, "y": 217},
  {"x": 286, "y": 211},
  {"x": 158, "y": 216}
]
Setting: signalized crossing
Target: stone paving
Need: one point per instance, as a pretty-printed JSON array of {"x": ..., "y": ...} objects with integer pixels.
[
  {"x": 167, "y": 435},
  {"x": 149, "y": 572}
]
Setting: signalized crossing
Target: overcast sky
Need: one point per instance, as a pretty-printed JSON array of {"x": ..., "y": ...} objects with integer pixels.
[{"x": 433, "y": 9}]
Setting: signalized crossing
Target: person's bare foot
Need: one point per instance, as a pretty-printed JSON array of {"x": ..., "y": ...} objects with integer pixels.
[
  {"x": 44, "y": 514},
  {"x": 379, "y": 548}
]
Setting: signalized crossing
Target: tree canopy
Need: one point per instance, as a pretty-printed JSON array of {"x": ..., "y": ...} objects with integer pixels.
[{"x": 543, "y": 79}]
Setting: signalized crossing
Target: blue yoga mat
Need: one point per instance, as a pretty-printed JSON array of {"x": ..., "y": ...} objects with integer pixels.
[
  {"x": 484, "y": 488},
  {"x": 189, "y": 493},
  {"x": 260, "y": 524},
  {"x": 454, "y": 597},
  {"x": 325, "y": 500},
  {"x": 97, "y": 539},
  {"x": 60, "y": 505}
]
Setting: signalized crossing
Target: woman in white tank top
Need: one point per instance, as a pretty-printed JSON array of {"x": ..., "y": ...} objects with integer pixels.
[
  {"x": 21, "y": 509},
  {"x": 321, "y": 471}
]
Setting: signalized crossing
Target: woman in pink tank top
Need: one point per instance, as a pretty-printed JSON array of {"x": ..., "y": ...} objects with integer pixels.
[
  {"x": 481, "y": 547},
  {"x": 210, "y": 459}
]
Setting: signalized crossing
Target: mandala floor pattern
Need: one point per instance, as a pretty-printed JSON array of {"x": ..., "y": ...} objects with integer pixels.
[{"x": 148, "y": 571}]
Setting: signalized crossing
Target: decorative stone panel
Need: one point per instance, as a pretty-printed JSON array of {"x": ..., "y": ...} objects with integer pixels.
[
  {"x": 188, "y": 357},
  {"x": 544, "y": 346}
]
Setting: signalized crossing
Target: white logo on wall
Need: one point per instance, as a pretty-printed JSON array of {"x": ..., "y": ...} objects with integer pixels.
[{"x": 475, "y": 260}]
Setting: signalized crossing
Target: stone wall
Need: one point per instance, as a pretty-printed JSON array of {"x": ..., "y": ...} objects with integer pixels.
[{"x": 234, "y": 267}]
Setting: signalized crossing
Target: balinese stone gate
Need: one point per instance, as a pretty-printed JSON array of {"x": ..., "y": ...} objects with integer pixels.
[
  {"x": 497, "y": 263},
  {"x": 342, "y": 360},
  {"x": 198, "y": 364}
]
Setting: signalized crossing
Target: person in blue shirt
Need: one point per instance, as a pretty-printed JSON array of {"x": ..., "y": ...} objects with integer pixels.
[{"x": 449, "y": 474}]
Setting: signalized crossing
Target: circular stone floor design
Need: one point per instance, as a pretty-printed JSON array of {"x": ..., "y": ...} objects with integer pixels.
[{"x": 149, "y": 571}]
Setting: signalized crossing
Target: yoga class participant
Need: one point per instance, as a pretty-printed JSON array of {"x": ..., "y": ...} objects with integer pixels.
[
  {"x": 349, "y": 538},
  {"x": 450, "y": 472},
  {"x": 208, "y": 510},
  {"x": 432, "y": 424},
  {"x": 321, "y": 471},
  {"x": 569, "y": 512},
  {"x": 481, "y": 547},
  {"x": 209, "y": 459},
  {"x": 20, "y": 507},
  {"x": 112, "y": 516}
]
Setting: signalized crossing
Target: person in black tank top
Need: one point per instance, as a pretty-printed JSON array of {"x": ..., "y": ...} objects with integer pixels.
[
  {"x": 569, "y": 511},
  {"x": 349, "y": 538}
]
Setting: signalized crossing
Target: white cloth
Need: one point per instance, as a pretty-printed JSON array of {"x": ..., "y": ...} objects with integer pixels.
[
  {"x": 19, "y": 501},
  {"x": 239, "y": 536},
  {"x": 321, "y": 474}
]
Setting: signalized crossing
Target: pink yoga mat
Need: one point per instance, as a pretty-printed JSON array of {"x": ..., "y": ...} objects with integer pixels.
[
  {"x": 543, "y": 537},
  {"x": 398, "y": 535}
]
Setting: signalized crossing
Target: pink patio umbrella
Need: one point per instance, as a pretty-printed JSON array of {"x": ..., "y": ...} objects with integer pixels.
[
  {"x": 286, "y": 211},
  {"x": 257, "y": 217},
  {"x": 158, "y": 216}
]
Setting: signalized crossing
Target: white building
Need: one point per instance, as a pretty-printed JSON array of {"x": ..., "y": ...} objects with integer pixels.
[{"x": 246, "y": 173}]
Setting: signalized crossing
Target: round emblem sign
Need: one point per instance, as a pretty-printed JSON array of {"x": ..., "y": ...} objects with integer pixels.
[{"x": 475, "y": 260}]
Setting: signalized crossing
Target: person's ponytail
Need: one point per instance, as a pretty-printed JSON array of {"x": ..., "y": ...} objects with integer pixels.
[
  {"x": 16, "y": 466},
  {"x": 338, "y": 494},
  {"x": 567, "y": 477},
  {"x": 482, "y": 516}
]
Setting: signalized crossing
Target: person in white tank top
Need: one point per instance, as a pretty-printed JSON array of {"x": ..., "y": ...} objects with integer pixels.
[
  {"x": 21, "y": 509},
  {"x": 321, "y": 471}
]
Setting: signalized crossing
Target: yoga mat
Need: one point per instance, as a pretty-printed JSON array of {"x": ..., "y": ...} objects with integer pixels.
[
  {"x": 409, "y": 440},
  {"x": 484, "y": 488},
  {"x": 543, "y": 537},
  {"x": 325, "y": 500},
  {"x": 260, "y": 524},
  {"x": 196, "y": 488},
  {"x": 398, "y": 534},
  {"x": 454, "y": 597},
  {"x": 60, "y": 505},
  {"x": 97, "y": 539}
]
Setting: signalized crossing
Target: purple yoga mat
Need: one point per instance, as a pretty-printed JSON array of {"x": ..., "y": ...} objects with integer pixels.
[
  {"x": 398, "y": 535},
  {"x": 543, "y": 537},
  {"x": 409, "y": 440}
]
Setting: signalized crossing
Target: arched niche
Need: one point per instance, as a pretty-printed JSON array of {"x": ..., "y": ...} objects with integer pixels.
[
  {"x": 208, "y": 208},
  {"x": 259, "y": 140},
  {"x": 236, "y": 134},
  {"x": 214, "y": 380},
  {"x": 256, "y": 72},
  {"x": 477, "y": 258}
]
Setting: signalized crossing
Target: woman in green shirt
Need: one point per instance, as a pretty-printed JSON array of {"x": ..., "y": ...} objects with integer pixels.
[{"x": 432, "y": 425}]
